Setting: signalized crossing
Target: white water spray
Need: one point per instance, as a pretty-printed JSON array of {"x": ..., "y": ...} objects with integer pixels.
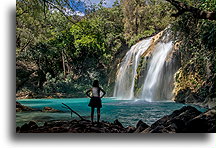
[
  {"x": 124, "y": 87},
  {"x": 157, "y": 78},
  {"x": 151, "y": 88}
]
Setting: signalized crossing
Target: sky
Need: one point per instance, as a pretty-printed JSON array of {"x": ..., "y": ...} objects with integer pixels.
[
  {"x": 80, "y": 5},
  {"x": 109, "y": 3}
]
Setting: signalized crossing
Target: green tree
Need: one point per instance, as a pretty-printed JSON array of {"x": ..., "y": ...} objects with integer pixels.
[
  {"x": 197, "y": 73},
  {"x": 143, "y": 18}
]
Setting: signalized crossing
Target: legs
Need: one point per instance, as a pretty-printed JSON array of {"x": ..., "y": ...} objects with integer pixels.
[
  {"x": 92, "y": 114},
  {"x": 98, "y": 115}
]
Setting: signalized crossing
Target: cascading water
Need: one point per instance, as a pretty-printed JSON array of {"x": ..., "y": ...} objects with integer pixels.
[
  {"x": 151, "y": 89},
  {"x": 124, "y": 87},
  {"x": 145, "y": 72}
]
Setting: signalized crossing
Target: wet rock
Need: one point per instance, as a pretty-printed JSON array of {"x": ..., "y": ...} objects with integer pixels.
[
  {"x": 95, "y": 129},
  {"x": 74, "y": 126},
  {"x": 139, "y": 123},
  {"x": 55, "y": 124},
  {"x": 116, "y": 122},
  {"x": 204, "y": 123},
  {"x": 24, "y": 128},
  {"x": 28, "y": 127},
  {"x": 20, "y": 107},
  {"x": 159, "y": 129},
  {"x": 17, "y": 129},
  {"x": 197, "y": 126},
  {"x": 177, "y": 125},
  {"x": 175, "y": 122},
  {"x": 82, "y": 122},
  {"x": 50, "y": 109},
  {"x": 185, "y": 120},
  {"x": 141, "y": 126},
  {"x": 32, "y": 125},
  {"x": 59, "y": 129},
  {"x": 130, "y": 129}
]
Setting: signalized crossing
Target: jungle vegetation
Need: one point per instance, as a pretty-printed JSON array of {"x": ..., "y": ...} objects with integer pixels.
[{"x": 63, "y": 45}]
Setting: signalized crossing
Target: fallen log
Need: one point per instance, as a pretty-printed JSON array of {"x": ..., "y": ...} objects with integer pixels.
[{"x": 72, "y": 111}]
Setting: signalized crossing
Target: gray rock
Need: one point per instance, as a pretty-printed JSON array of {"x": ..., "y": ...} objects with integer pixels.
[
  {"x": 50, "y": 109},
  {"x": 130, "y": 129},
  {"x": 175, "y": 122},
  {"x": 116, "y": 122},
  {"x": 204, "y": 123},
  {"x": 141, "y": 126}
]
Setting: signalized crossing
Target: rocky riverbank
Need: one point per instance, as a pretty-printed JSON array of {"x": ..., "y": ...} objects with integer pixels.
[
  {"x": 205, "y": 96},
  {"x": 30, "y": 95},
  {"x": 22, "y": 108},
  {"x": 185, "y": 120}
]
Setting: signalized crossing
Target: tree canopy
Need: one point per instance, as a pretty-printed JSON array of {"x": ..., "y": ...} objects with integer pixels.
[
  {"x": 197, "y": 13},
  {"x": 62, "y": 45}
]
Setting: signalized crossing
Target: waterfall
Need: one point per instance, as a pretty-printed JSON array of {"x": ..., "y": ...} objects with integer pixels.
[
  {"x": 145, "y": 71},
  {"x": 124, "y": 86},
  {"x": 154, "y": 73}
]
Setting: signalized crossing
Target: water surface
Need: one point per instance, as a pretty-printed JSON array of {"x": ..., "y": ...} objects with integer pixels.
[{"x": 128, "y": 112}]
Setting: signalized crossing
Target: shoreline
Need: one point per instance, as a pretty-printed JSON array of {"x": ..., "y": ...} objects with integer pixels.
[
  {"x": 19, "y": 96},
  {"x": 185, "y": 120},
  {"x": 26, "y": 95},
  {"x": 201, "y": 105},
  {"x": 51, "y": 96}
]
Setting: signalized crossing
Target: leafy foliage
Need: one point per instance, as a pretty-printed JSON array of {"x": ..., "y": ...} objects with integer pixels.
[
  {"x": 197, "y": 73},
  {"x": 59, "y": 52},
  {"x": 67, "y": 55},
  {"x": 144, "y": 18}
]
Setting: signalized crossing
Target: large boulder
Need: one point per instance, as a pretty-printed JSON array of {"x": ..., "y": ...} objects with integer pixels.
[
  {"x": 28, "y": 127},
  {"x": 175, "y": 122},
  {"x": 204, "y": 123}
]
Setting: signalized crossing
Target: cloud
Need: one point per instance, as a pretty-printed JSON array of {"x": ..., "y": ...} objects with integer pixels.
[
  {"x": 79, "y": 8},
  {"x": 78, "y": 13},
  {"x": 109, "y": 3},
  {"x": 68, "y": 12}
]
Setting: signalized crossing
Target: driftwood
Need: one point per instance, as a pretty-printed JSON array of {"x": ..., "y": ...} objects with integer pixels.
[{"x": 72, "y": 111}]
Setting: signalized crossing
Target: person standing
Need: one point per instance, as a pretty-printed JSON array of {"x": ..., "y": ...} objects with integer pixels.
[{"x": 95, "y": 102}]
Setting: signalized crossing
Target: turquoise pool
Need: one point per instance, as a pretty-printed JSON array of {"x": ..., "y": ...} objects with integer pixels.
[{"x": 128, "y": 112}]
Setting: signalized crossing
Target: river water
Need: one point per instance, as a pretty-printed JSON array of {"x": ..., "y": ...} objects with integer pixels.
[{"x": 128, "y": 112}]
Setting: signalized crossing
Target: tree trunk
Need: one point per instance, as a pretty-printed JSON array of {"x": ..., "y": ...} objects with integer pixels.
[
  {"x": 63, "y": 63},
  {"x": 72, "y": 111},
  {"x": 197, "y": 13}
]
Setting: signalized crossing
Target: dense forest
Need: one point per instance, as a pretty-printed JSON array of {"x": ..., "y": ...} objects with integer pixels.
[{"x": 63, "y": 45}]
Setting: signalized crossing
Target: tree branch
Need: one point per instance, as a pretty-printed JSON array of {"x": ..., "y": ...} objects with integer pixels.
[
  {"x": 72, "y": 111},
  {"x": 197, "y": 13},
  {"x": 24, "y": 47},
  {"x": 61, "y": 10},
  {"x": 18, "y": 15}
]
